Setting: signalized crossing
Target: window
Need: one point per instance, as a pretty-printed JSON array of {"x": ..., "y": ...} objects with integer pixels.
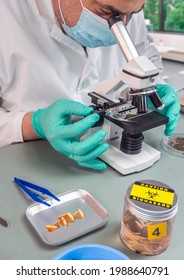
[{"x": 164, "y": 15}]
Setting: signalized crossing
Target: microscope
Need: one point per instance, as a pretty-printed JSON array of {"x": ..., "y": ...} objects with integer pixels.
[{"x": 127, "y": 116}]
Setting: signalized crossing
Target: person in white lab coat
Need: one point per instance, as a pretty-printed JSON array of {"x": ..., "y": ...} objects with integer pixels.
[{"x": 54, "y": 52}]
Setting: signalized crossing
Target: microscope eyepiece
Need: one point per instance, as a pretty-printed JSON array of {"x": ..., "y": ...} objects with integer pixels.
[{"x": 113, "y": 19}]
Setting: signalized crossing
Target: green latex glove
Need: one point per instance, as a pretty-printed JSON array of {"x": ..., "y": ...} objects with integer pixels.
[
  {"x": 54, "y": 124},
  {"x": 172, "y": 106}
]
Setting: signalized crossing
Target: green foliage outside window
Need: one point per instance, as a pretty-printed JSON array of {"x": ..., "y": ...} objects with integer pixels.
[
  {"x": 175, "y": 18},
  {"x": 151, "y": 12},
  {"x": 165, "y": 15}
]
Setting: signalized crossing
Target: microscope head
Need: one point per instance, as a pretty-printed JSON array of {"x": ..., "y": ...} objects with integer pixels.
[{"x": 139, "y": 73}]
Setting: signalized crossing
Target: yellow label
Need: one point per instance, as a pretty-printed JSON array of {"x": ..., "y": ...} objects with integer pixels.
[
  {"x": 157, "y": 231},
  {"x": 153, "y": 195}
]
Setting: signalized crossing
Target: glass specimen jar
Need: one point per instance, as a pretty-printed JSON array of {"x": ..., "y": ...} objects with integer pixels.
[{"x": 149, "y": 212}]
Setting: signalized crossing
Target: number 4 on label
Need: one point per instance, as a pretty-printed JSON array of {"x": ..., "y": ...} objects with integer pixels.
[{"x": 157, "y": 231}]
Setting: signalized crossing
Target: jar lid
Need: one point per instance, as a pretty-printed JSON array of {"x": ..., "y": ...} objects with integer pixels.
[{"x": 151, "y": 200}]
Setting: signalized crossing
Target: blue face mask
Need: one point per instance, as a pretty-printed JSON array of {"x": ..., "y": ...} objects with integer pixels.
[{"x": 91, "y": 30}]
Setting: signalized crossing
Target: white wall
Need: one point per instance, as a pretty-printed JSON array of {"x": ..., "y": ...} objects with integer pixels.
[{"x": 172, "y": 40}]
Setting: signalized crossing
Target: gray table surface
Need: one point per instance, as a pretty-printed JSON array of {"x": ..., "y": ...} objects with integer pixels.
[{"x": 37, "y": 162}]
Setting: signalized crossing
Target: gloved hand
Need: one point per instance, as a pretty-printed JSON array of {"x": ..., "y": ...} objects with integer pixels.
[
  {"x": 172, "y": 106},
  {"x": 54, "y": 124}
]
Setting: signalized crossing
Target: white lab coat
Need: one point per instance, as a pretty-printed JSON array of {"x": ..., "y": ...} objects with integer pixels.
[{"x": 39, "y": 64}]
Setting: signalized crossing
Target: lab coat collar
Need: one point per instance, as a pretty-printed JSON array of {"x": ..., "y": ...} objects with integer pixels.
[
  {"x": 66, "y": 40},
  {"x": 44, "y": 8}
]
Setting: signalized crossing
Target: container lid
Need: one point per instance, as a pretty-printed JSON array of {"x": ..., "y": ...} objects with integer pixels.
[
  {"x": 174, "y": 144},
  {"x": 91, "y": 252},
  {"x": 151, "y": 200}
]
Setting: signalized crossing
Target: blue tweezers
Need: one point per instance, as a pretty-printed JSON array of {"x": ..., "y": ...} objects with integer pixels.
[{"x": 24, "y": 185}]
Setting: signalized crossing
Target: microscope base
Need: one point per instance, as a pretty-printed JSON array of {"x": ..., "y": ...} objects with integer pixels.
[{"x": 125, "y": 163}]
